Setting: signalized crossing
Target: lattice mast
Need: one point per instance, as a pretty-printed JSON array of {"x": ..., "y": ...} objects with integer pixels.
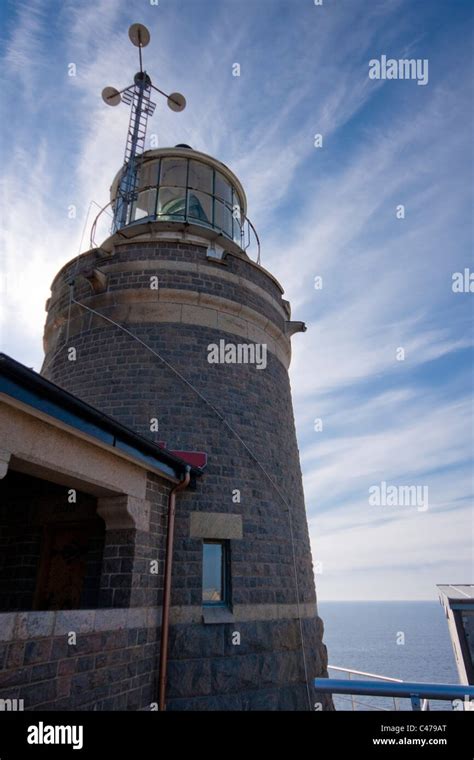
[
  {"x": 138, "y": 96},
  {"x": 141, "y": 108}
]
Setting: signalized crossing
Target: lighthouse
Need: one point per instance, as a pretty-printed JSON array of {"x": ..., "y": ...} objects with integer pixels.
[{"x": 172, "y": 327}]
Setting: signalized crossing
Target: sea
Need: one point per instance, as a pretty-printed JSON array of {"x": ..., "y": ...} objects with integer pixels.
[{"x": 407, "y": 640}]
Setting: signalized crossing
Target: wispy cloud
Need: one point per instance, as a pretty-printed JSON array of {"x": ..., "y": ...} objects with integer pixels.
[{"x": 327, "y": 212}]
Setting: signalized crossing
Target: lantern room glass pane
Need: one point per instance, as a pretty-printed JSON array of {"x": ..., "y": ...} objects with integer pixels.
[
  {"x": 200, "y": 176},
  {"x": 213, "y": 578},
  {"x": 237, "y": 236},
  {"x": 171, "y": 202},
  {"x": 145, "y": 205},
  {"x": 223, "y": 189},
  {"x": 183, "y": 189},
  {"x": 223, "y": 218},
  {"x": 173, "y": 172},
  {"x": 148, "y": 174},
  {"x": 200, "y": 206}
]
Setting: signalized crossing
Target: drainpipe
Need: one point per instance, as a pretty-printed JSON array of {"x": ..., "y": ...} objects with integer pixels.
[{"x": 165, "y": 617}]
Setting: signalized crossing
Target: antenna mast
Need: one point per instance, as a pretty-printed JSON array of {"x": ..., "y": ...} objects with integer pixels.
[{"x": 138, "y": 96}]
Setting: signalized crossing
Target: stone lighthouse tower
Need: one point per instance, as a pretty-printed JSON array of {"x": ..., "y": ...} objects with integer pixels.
[{"x": 179, "y": 334}]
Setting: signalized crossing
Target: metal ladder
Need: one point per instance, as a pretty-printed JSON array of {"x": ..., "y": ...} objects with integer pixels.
[{"x": 138, "y": 96}]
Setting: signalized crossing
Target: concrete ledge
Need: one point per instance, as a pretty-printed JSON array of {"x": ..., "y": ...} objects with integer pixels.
[
  {"x": 246, "y": 612},
  {"x": 274, "y": 611},
  {"x": 216, "y": 615},
  {"x": 79, "y": 621},
  {"x": 34, "y": 625},
  {"x": 137, "y": 306},
  {"x": 153, "y": 617},
  {"x": 113, "y": 619},
  {"x": 31, "y": 625},
  {"x": 136, "y": 617},
  {"x": 7, "y": 625},
  {"x": 199, "y": 315},
  {"x": 232, "y": 324}
]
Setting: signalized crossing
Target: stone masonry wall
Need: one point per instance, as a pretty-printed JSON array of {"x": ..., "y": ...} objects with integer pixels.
[
  {"x": 118, "y": 376},
  {"x": 112, "y": 665},
  {"x": 126, "y": 578}
]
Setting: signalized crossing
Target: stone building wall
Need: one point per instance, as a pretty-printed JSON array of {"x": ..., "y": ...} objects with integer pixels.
[
  {"x": 127, "y": 580},
  {"x": 111, "y": 665},
  {"x": 191, "y": 310}
]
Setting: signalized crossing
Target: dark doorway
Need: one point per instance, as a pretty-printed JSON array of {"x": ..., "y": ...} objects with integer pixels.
[
  {"x": 63, "y": 566},
  {"x": 51, "y": 546}
]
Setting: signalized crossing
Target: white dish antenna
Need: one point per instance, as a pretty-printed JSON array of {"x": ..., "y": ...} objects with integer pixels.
[
  {"x": 111, "y": 96},
  {"x": 176, "y": 101},
  {"x": 139, "y": 35}
]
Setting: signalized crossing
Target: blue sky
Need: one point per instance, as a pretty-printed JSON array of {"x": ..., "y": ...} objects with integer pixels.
[{"x": 328, "y": 212}]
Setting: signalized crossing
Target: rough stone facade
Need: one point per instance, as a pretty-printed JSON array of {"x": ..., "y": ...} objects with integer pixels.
[
  {"x": 111, "y": 661},
  {"x": 111, "y": 666},
  {"x": 121, "y": 378},
  {"x": 126, "y": 578}
]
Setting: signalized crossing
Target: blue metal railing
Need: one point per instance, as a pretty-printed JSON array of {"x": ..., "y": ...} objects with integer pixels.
[
  {"x": 354, "y": 702},
  {"x": 415, "y": 692}
]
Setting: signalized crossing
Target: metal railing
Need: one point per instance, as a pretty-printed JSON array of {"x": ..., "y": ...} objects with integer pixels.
[
  {"x": 353, "y": 700},
  {"x": 247, "y": 238},
  {"x": 419, "y": 694}
]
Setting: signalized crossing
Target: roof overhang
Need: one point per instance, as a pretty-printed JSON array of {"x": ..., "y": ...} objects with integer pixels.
[{"x": 25, "y": 389}]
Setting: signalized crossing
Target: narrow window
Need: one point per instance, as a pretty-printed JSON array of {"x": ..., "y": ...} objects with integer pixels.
[{"x": 215, "y": 573}]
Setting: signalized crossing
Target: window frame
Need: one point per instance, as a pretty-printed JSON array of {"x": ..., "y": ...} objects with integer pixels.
[{"x": 225, "y": 574}]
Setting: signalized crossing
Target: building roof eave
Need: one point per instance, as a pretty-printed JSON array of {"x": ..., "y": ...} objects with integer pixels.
[{"x": 31, "y": 389}]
